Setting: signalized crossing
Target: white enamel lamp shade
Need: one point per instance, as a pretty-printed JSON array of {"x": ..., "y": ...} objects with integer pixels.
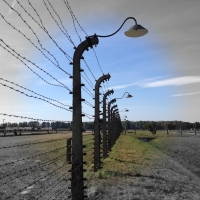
[{"x": 136, "y": 31}]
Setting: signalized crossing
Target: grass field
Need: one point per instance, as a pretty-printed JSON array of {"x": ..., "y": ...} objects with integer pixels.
[{"x": 167, "y": 167}]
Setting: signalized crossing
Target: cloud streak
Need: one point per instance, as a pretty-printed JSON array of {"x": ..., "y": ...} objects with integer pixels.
[
  {"x": 138, "y": 83},
  {"x": 185, "y": 94},
  {"x": 178, "y": 81},
  {"x": 122, "y": 86},
  {"x": 151, "y": 83}
]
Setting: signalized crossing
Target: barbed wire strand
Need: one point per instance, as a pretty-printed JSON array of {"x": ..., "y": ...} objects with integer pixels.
[
  {"x": 72, "y": 16},
  {"x": 30, "y": 41},
  {"x": 97, "y": 60},
  {"x": 32, "y": 69},
  {"x": 70, "y": 11},
  {"x": 89, "y": 68},
  {"x": 66, "y": 32},
  {"x": 74, "y": 26},
  {"x": 34, "y": 97},
  {"x": 32, "y": 91},
  {"x": 41, "y": 26},
  {"x": 32, "y": 143},
  {"x": 88, "y": 103},
  {"x": 88, "y": 114},
  {"x": 81, "y": 183},
  {"x": 88, "y": 81},
  {"x": 13, "y": 194},
  {"x": 88, "y": 92},
  {"x": 46, "y": 189},
  {"x": 60, "y": 192},
  {"x": 33, "y": 118},
  {"x": 84, "y": 60},
  {"x": 27, "y": 158},
  {"x": 26, "y": 170},
  {"x": 30, "y": 29},
  {"x": 18, "y": 55},
  {"x": 86, "y": 35},
  {"x": 75, "y": 18}
]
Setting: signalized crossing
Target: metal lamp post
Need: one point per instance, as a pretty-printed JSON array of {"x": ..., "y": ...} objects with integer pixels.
[
  {"x": 127, "y": 96},
  {"x": 125, "y": 110},
  {"x": 109, "y": 118},
  {"x": 115, "y": 115},
  {"x": 109, "y": 124},
  {"x": 125, "y": 125},
  {"x": 77, "y": 186},
  {"x": 124, "y": 116},
  {"x": 112, "y": 131},
  {"x": 97, "y": 139},
  {"x": 105, "y": 139}
]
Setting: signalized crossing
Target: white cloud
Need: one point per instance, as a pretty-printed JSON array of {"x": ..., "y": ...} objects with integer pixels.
[
  {"x": 122, "y": 86},
  {"x": 185, "y": 94},
  {"x": 150, "y": 83},
  {"x": 178, "y": 81},
  {"x": 139, "y": 83}
]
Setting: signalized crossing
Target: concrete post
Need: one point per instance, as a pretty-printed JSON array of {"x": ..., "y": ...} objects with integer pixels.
[
  {"x": 118, "y": 125},
  {"x": 167, "y": 130},
  {"x": 104, "y": 123},
  {"x": 77, "y": 184},
  {"x": 115, "y": 121},
  {"x": 112, "y": 124},
  {"x": 181, "y": 127},
  {"x": 135, "y": 127},
  {"x": 125, "y": 126},
  {"x": 109, "y": 124},
  {"x": 69, "y": 148},
  {"x": 97, "y": 139}
]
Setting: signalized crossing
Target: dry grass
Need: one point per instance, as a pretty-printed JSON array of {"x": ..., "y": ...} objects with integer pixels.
[
  {"x": 184, "y": 149},
  {"x": 165, "y": 168},
  {"x": 160, "y": 169},
  {"x": 126, "y": 156}
]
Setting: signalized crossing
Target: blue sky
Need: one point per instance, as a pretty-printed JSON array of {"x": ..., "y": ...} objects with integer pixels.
[{"x": 160, "y": 69}]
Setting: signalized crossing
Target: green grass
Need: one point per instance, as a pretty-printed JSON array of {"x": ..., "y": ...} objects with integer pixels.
[
  {"x": 87, "y": 141},
  {"x": 140, "y": 133},
  {"x": 130, "y": 154},
  {"x": 148, "y": 170},
  {"x": 127, "y": 155},
  {"x": 159, "y": 169}
]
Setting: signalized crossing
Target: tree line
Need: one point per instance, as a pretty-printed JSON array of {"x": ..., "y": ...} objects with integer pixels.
[
  {"x": 129, "y": 125},
  {"x": 36, "y": 124},
  {"x": 160, "y": 125}
]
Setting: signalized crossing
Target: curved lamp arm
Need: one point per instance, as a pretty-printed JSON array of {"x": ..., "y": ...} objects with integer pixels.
[
  {"x": 118, "y": 29},
  {"x": 134, "y": 31},
  {"x": 128, "y": 96},
  {"x": 125, "y": 109}
]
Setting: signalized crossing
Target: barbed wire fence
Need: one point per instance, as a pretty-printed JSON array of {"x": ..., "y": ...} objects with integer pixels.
[
  {"x": 47, "y": 170},
  {"x": 39, "y": 166}
]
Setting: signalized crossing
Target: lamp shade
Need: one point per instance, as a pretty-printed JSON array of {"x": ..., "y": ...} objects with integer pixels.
[
  {"x": 136, "y": 31},
  {"x": 129, "y": 96}
]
